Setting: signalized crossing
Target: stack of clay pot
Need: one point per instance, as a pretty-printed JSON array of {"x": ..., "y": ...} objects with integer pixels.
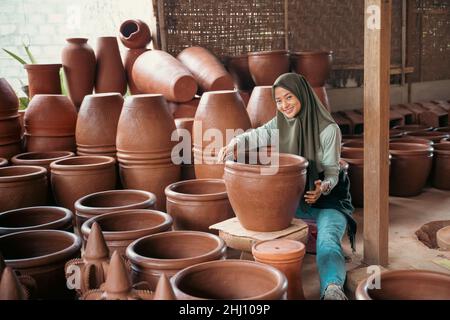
[
  {"x": 261, "y": 107},
  {"x": 144, "y": 145},
  {"x": 43, "y": 79},
  {"x": 266, "y": 66},
  {"x": 10, "y": 129}
]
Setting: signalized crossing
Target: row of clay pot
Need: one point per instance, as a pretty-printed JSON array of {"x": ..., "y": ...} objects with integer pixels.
[{"x": 10, "y": 130}]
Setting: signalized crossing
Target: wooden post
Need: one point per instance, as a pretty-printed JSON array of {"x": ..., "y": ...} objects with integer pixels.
[{"x": 377, "y": 52}]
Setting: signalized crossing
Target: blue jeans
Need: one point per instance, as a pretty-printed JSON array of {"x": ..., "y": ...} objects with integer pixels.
[{"x": 331, "y": 226}]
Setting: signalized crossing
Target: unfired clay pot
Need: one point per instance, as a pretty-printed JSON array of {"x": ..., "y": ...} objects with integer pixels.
[
  {"x": 315, "y": 66},
  {"x": 43, "y": 79},
  {"x": 157, "y": 71},
  {"x": 135, "y": 34},
  {"x": 9, "y": 103},
  {"x": 261, "y": 107},
  {"x": 207, "y": 70},
  {"x": 434, "y": 136},
  {"x": 42, "y": 254},
  {"x": 355, "y": 159},
  {"x": 265, "y": 197},
  {"x": 443, "y": 238},
  {"x": 230, "y": 279},
  {"x": 239, "y": 70},
  {"x": 3, "y": 162},
  {"x": 128, "y": 62},
  {"x": 170, "y": 252},
  {"x": 110, "y": 75},
  {"x": 441, "y": 166},
  {"x": 406, "y": 285},
  {"x": 266, "y": 66},
  {"x": 120, "y": 228},
  {"x": 198, "y": 204},
  {"x": 79, "y": 62}
]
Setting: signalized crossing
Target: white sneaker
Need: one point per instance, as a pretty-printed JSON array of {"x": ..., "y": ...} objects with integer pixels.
[{"x": 334, "y": 292}]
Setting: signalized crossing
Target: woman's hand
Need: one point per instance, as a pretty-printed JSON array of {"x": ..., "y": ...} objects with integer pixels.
[
  {"x": 227, "y": 152},
  {"x": 311, "y": 197}
]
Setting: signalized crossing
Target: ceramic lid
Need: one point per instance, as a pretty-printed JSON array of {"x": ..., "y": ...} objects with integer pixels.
[{"x": 278, "y": 249}]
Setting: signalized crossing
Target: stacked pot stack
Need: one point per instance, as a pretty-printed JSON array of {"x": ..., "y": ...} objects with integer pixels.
[{"x": 10, "y": 129}]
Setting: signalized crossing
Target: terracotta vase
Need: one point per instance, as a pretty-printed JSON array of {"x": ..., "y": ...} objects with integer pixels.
[
  {"x": 410, "y": 167},
  {"x": 128, "y": 62},
  {"x": 409, "y": 128},
  {"x": 170, "y": 252},
  {"x": 144, "y": 146},
  {"x": 22, "y": 186},
  {"x": 79, "y": 62},
  {"x": 9, "y": 103},
  {"x": 110, "y": 74},
  {"x": 274, "y": 197},
  {"x": 198, "y": 204},
  {"x": 406, "y": 285},
  {"x": 35, "y": 218},
  {"x": 441, "y": 166},
  {"x": 239, "y": 70},
  {"x": 183, "y": 109},
  {"x": 355, "y": 159},
  {"x": 50, "y": 122},
  {"x": 434, "y": 136},
  {"x": 443, "y": 238},
  {"x": 135, "y": 34},
  {"x": 229, "y": 280},
  {"x": 261, "y": 107},
  {"x": 157, "y": 71},
  {"x": 42, "y": 254},
  {"x": 287, "y": 256},
  {"x": 96, "y": 128},
  {"x": 3, "y": 162},
  {"x": 266, "y": 66},
  {"x": 221, "y": 111},
  {"x": 321, "y": 93},
  {"x": 76, "y": 177},
  {"x": 184, "y": 128},
  {"x": 315, "y": 66},
  {"x": 207, "y": 70},
  {"x": 10, "y": 136},
  {"x": 43, "y": 79}
]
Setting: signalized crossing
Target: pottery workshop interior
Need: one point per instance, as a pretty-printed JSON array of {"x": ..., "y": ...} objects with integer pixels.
[{"x": 219, "y": 150}]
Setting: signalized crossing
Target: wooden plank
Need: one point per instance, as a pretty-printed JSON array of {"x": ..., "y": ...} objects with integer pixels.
[
  {"x": 377, "y": 49},
  {"x": 162, "y": 25}
]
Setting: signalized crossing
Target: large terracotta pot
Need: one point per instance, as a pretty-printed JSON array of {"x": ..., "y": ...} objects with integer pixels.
[
  {"x": 315, "y": 66},
  {"x": 230, "y": 279},
  {"x": 135, "y": 34},
  {"x": 219, "y": 111},
  {"x": 441, "y": 166},
  {"x": 207, "y": 70},
  {"x": 41, "y": 159},
  {"x": 79, "y": 62},
  {"x": 43, "y": 79},
  {"x": 96, "y": 128},
  {"x": 157, "y": 71},
  {"x": 170, "y": 252},
  {"x": 76, "y": 177},
  {"x": 406, "y": 285},
  {"x": 355, "y": 159},
  {"x": 410, "y": 167},
  {"x": 266, "y": 200},
  {"x": 120, "y": 228},
  {"x": 261, "y": 107},
  {"x": 144, "y": 146},
  {"x": 183, "y": 109},
  {"x": 50, "y": 122},
  {"x": 10, "y": 136},
  {"x": 22, "y": 186},
  {"x": 9, "y": 103},
  {"x": 266, "y": 66},
  {"x": 3, "y": 162},
  {"x": 35, "y": 218},
  {"x": 198, "y": 204},
  {"x": 184, "y": 128},
  {"x": 128, "y": 62},
  {"x": 10, "y": 149},
  {"x": 434, "y": 136},
  {"x": 321, "y": 93},
  {"x": 42, "y": 255},
  {"x": 110, "y": 75},
  {"x": 239, "y": 70}
]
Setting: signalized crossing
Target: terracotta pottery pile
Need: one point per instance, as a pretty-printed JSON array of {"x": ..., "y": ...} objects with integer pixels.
[
  {"x": 261, "y": 107},
  {"x": 10, "y": 129},
  {"x": 110, "y": 73},
  {"x": 266, "y": 66},
  {"x": 441, "y": 166},
  {"x": 43, "y": 79}
]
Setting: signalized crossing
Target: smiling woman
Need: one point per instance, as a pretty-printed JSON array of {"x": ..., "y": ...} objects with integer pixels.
[{"x": 287, "y": 103}]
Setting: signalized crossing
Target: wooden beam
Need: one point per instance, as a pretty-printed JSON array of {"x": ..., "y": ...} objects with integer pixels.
[{"x": 377, "y": 52}]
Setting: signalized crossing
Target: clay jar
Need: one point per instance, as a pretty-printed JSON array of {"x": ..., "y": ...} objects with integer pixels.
[
  {"x": 443, "y": 238},
  {"x": 42, "y": 255},
  {"x": 22, "y": 186},
  {"x": 434, "y": 136},
  {"x": 43, "y": 79},
  {"x": 266, "y": 66},
  {"x": 207, "y": 70},
  {"x": 221, "y": 111},
  {"x": 230, "y": 279},
  {"x": 410, "y": 167},
  {"x": 287, "y": 256},
  {"x": 198, "y": 204},
  {"x": 441, "y": 166},
  {"x": 110, "y": 76},
  {"x": 35, "y": 218},
  {"x": 184, "y": 129},
  {"x": 238, "y": 68},
  {"x": 50, "y": 122},
  {"x": 406, "y": 285},
  {"x": 41, "y": 159},
  {"x": 128, "y": 62},
  {"x": 120, "y": 228},
  {"x": 103, "y": 202},
  {"x": 315, "y": 66},
  {"x": 157, "y": 71},
  {"x": 76, "y": 177},
  {"x": 96, "y": 128},
  {"x": 79, "y": 62},
  {"x": 261, "y": 107},
  {"x": 144, "y": 146},
  {"x": 264, "y": 201},
  {"x": 135, "y": 34},
  {"x": 355, "y": 159},
  {"x": 9, "y": 103},
  {"x": 170, "y": 252}
]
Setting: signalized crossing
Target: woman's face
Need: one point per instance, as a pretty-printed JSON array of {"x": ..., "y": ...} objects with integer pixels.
[{"x": 287, "y": 102}]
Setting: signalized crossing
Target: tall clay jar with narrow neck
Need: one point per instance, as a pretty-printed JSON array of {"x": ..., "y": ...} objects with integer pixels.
[{"x": 110, "y": 76}]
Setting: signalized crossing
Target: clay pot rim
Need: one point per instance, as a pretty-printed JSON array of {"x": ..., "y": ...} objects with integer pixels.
[
  {"x": 415, "y": 148},
  {"x": 413, "y": 128},
  {"x": 65, "y": 219},
  {"x": 308, "y": 53},
  {"x": 62, "y": 255},
  {"x": 128, "y": 21},
  {"x": 442, "y": 129},
  {"x": 445, "y": 140},
  {"x": 284, "y": 256},
  {"x": 441, "y": 240},
  {"x": 411, "y": 138},
  {"x": 34, "y": 172},
  {"x": 3, "y": 162},
  {"x": 157, "y": 263},
  {"x": 184, "y": 119},
  {"x": 268, "y": 52},
  {"x": 103, "y": 162},
  {"x": 431, "y": 134},
  {"x": 219, "y": 92},
  {"x": 137, "y": 97},
  {"x": 127, "y": 234},
  {"x": 442, "y": 148},
  {"x": 279, "y": 278},
  {"x": 49, "y": 66},
  {"x": 103, "y": 95},
  {"x": 77, "y": 40},
  {"x": 18, "y": 158},
  {"x": 237, "y": 57},
  {"x": 171, "y": 193},
  {"x": 301, "y": 162}
]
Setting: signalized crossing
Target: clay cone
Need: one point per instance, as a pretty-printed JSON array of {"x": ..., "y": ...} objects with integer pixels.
[
  {"x": 96, "y": 248},
  {"x": 118, "y": 281},
  {"x": 10, "y": 287},
  {"x": 164, "y": 289}
]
